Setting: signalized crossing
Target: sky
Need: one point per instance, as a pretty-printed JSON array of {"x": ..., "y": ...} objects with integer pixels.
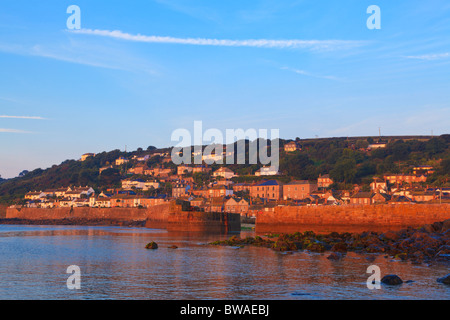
[{"x": 138, "y": 70}]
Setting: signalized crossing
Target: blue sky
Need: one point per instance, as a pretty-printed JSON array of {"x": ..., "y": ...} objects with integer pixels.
[{"x": 315, "y": 70}]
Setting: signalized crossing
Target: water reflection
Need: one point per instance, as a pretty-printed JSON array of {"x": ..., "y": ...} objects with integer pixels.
[{"x": 115, "y": 265}]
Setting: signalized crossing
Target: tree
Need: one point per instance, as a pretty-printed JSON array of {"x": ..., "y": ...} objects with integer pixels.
[
  {"x": 344, "y": 171},
  {"x": 23, "y": 173}
]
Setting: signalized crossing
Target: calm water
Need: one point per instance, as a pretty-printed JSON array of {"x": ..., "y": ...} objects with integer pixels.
[{"x": 115, "y": 265}]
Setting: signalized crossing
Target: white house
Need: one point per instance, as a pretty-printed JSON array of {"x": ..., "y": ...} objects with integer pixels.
[
  {"x": 224, "y": 172},
  {"x": 267, "y": 171}
]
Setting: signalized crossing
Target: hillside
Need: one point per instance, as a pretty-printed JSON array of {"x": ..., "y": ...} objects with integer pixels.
[{"x": 347, "y": 160}]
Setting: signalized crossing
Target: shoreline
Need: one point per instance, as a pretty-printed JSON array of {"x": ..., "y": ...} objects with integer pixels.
[
  {"x": 426, "y": 244},
  {"x": 75, "y": 222}
]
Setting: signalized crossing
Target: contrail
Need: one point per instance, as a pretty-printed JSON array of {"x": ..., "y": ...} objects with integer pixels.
[{"x": 257, "y": 43}]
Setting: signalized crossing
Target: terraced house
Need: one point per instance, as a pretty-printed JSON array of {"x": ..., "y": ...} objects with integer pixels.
[{"x": 271, "y": 190}]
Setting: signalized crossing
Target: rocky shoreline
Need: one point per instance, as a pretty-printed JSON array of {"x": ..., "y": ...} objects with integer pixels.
[
  {"x": 430, "y": 243},
  {"x": 75, "y": 222}
]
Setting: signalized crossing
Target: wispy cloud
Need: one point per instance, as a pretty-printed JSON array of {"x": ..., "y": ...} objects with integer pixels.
[
  {"x": 434, "y": 56},
  {"x": 256, "y": 43},
  {"x": 83, "y": 53},
  {"x": 23, "y": 117},
  {"x": 3, "y": 130},
  {"x": 309, "y": 74}
]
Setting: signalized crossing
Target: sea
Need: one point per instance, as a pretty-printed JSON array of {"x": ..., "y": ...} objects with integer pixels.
[{"x": 111, "y": 263}]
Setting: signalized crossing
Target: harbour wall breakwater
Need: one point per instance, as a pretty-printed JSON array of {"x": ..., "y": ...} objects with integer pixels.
[
  {"x": 165, "y": 216},
  {"x": 349, "y": 218},
  {"x": 3, "y": 211}
]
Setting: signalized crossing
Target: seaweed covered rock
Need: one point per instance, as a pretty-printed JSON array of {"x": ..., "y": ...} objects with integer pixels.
[
  {"x": 392, "y": 280},
  {"x": 444, "y": 280},
  {"x": 151, "y": 246}
]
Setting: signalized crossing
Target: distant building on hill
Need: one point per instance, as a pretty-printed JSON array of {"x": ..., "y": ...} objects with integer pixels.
[
  {"x": 292, "y": 146},
  {"x": 324, "y": 181},
  {"x": 87, "y": 155}
]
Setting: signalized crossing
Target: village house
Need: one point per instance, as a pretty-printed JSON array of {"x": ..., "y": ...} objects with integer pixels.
[
  {"x": 79, "y": 192},
  {"x": 100, "y": 202},
  {"x": 423, "y": 196},
  {"x": 224, "y": 182},
  {"x": 380, "y": 198},
  {"x": 158, "y": 171},
  {"x": 298, "y": 190},
  {"x": 61, "y": 192},
  {"x": 142, "y": 158},
  {"x": 219, "y": 191},
  {"x": 47, "y": 204},
  {"x": 140, "y": 184},
  {"x": 239, "y": 187},
  {"x": 235, "y": 205},
  {"x": 271, "y": 190},
  {"x": 201, "y": 193},
  {"x": 34, "y": 195},
  {"x": 216, "y": 204},
  {"x": 121, "y": 160},
  {"x": 267, "y": 171},
  {"x": 65, "y": 203},
  {"x": 212, "y": 158},
  {"x": 147, "y": 202},
  {"x": 324, "y": 181},
  {"x": 138, "y": 169},
  {"x": 197, "y": 202},
  {"x": 224, "y": 172},
  {"x": 292, "y": 146},
  {"x": 364, "y": 198},
  {"x": 179, "y": 190},
  {"x": 378, "y": 185},
  {"x": 377, "y": 145},
  {"x": 77, "y": 203},
  {"x": 423, "y": 170},
  {"x": 400, "y": 200},
  {"x": 201, "y": 169},
  {"x": 184, "y": 169},
  {"x": 404, "y": 178}
]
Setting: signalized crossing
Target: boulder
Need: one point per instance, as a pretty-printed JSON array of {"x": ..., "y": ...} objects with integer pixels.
[
  {"x": 392, "y": 280},
  {"x": 339, "y": 247},
  {"x": 445, "y": 225},
  {"x": 151, "y": 245},
  {"x": 335, "y": 256},
  {"x": 444, "y": 280},
  {"x": 390, "y": 235}
]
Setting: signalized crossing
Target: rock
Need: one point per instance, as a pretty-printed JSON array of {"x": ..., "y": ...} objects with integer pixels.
[
  {"x": 339, "y": 247},
  {"x": 445, "y": 225},
  {"x": 151, "y": 245},
  {"x": 443, "y": 251},
  {"x": 444, "y": 280},
  {"x": 390, "y": 235},
  {"x": 173, "y": 247},
  {"x": 281, "y": 245},
  {"x": 392, "y": 280},
  {"x": 335, "y": 256},
  {"x": 428, "y": 228},
  {"x": 437, "y": 226},
  {"x": 315, "y": 247}
]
